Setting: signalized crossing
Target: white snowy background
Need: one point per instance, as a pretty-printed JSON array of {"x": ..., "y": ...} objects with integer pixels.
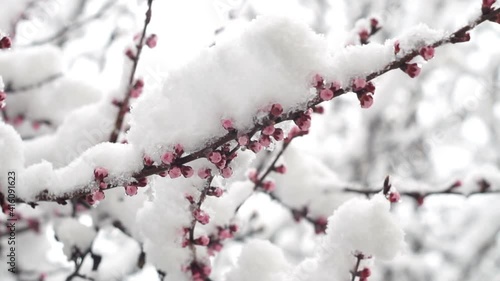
[{"x": 67, "y": 65}]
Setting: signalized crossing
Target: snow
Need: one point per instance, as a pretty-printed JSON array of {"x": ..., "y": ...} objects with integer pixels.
[
  {"x": 359, "y": 225},
  {"x": 25, "y": 67},
  {"x": 121, "y": 161},
  {"x": 272, "y": 60},
  {"x": 161, "y": 224},
  {"x": 11, "y": 152},
  {"x": 259, "y": 260},
  {"x": 72, "y": 233},
  {"x": 418, "y": 37}
]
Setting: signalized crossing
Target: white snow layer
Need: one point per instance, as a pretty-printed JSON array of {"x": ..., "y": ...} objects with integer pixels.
[
  {"x": 359, "y": 225},
  {"x": 72, "y": 233}
]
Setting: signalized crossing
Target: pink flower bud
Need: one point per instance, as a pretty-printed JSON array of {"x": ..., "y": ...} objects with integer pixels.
[
  {"x": 5, "y": 43},
  {"x": 281, "y": 169},
  {"x": 131, "y": 190},
  {"x": 269, "y": 130},
  {"x": 89, "y": 198},
  {"x": 3, "y": 96},
  {"x": 98, "y": 196},
  {"x": 295, "y": 131},
  {"x": 335, "y": 86},
  {"x": 320, "y": 225},
  {"x": 276, "y": 110},
  {"x": 152, "y": 40},
  {"x": 269, "y": 186},
  {"x": 363, "y": 35},
  {"x": 174, "y": 172},
  {"x": 374, "y": 23},
  {"x": 227, "y": 124},
  {"x": 412, "y": 69},
  {"x": 187, "y": 171},
  {"x": 225, "y": 234},
  {"x": 303, "y": 122},
  {"x": 217, "y": 192},
  {"x": 366, "y": 100},
  {"x": 456, "y": 184},
  {"x": 142, "y": 182},
  {"x": 130, "y": 54},
  {"x": 255, "y": 146},
  {"x": 139, "y": 84},
  {"x": 100, "y": 173},
  {"x": 365, "y": 273},
  {"x": 148, "y": 161},
  {"x": 168, "y": 158},
  {"x": 201, "y": 216},
  {"x": 370, "y": 87},
  {"x": 204, "y": 173},
  {"x": 215, "y": 157},
  {"x": 394, "y": 197},
  {"x": 179, "y": 149},
  {"x": 163, "y": 174},
  {"x": 397, "y": 48},
  {"x": 253, "y": 176},
  {"x": 227, "y": 172},
  {"x": 326, "y": 94},
  {"x": 265, "y": 141},
  {"x": 202, "y": 240},
  {"x": 317, "y": 81},
  {"x": 358, "y": 84},
  {"x": 135, "y": 93},
  {"x": 103, "y": 185},
  {"x": 233, "y": 228},
  {"x": 427, "y": 52},
  {"x": 243, "y": 140},
  {"x": 278, "y": 134}
]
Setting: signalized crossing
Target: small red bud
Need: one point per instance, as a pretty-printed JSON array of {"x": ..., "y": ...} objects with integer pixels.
[
  {"x": 175, "y": 172},
  {"x": 187, "y": 171},
  {"x": 366, "y": 100},
  {"x": 100, "y": 173},
  {"x": 276, "y": 110},
  {"x": 5, "y": 43},
  {"x": 131, "y": 190},
  {"x": 152, "y": 40},
  {"x": 427, "y": 52},
  {"x": 326, "y": 94}
]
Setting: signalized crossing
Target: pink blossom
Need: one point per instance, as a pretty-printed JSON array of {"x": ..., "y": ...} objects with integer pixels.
[
  {"x": 225, "y": 234},
  {"x": 98, "y": 196},
  {"x": 152, "y": 40},
  {"x": 227, "y": 124},
  {"x": 335, "y": 86},
  {"x": 168, "y": 158},
  {"x": 5, "y": 43},
  {"x": 269, "y": 130},
  {"x": 243, "y": 140},
  {"x": 366, "y": 100},
  {"x": 265, "y": 141},
  {"x": 204, "y": 173},
  {"x": 358, "y": 84},
  {"x": 215, "y": 157},
  {"x": 227, "y": 172},
  {"x": 100, "y": 173},
  {"x": 148, "y": 161},
  {"x": 201, "y": 216},
  {"x": 187, "y": 171},
  {"x": 278, "y": 134},
  {"x": 255, "y": 146},
  {"x": 276, "y": 110},
  {"x": 365, "y": 273},
  {"x": 269, "y": 186},
  {"x": 103, "y": 185},
  {"x": 427, "y": 52},
  {"x": 394, "y": 197},
  {"x": 130, "y": 54},
  {"x": 326, "y": 94},
  {"x": 131, "y": 190},
  {"x": 142, "y": 182},
  {"x": 252, "y": 175},
  {"x": 397, "y": 48},
  {"x": 3, "y": 96},
  {"x": 174, "y": 172},
  {"x": 179, "y": 149},
  {"x": 317, "y": 81},
  {"x": 281, "y": 169},
  {"x": 412, "y": 69},
  {"x": 202, "y": 240}
]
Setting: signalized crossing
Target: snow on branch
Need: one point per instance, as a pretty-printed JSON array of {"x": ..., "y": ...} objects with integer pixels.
[{"x": 280, "y": 56}]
